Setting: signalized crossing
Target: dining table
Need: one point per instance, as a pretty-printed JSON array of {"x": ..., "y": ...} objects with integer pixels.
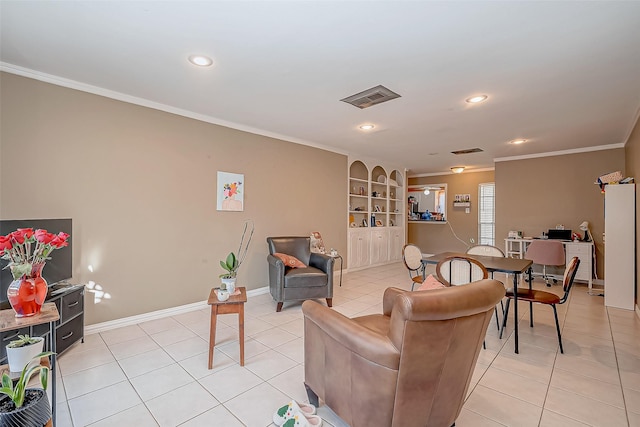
[{"x": 513, "y": 266}]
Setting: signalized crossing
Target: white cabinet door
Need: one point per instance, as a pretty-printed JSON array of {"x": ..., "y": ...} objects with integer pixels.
[
  {"x": 396, "y": 241},
  {"x": 619, "y": 252},
  {"x": 379, "y": 246},
  {"x": 359, "y": 243},
  {"x": 583, "y": 252}
]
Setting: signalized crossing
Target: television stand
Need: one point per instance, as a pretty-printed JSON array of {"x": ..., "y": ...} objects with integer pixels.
[{"x": 69, "y": 300}]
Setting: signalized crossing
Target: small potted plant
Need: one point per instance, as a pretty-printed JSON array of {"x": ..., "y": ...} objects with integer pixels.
[
  {"x": 232, "y": 263},
  {"x": 22, "y": 406},
  {"x": 22, "y": 350}
]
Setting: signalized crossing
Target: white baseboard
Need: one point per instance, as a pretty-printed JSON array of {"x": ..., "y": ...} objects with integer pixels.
[
  {"x": 159, "y": 314},
  {"x": 364, "y": 267}
]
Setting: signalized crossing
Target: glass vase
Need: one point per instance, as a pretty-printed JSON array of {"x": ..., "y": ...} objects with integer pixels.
[{"x": 27, "y": 294}]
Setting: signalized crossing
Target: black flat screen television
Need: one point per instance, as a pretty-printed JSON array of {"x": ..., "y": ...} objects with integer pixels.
[{"x": 58, "y": 268}]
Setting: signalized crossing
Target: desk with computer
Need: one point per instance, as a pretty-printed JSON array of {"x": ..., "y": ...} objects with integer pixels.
[{"x": 556, "y": 255}]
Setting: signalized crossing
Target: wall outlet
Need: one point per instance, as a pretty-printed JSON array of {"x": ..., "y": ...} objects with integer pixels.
[{"x": 467, "y": 210}]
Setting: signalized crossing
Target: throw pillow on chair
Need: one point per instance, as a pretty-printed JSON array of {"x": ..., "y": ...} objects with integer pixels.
[
  {"x": 290, "y": 260},
  {"x": 430, "y": 283}
]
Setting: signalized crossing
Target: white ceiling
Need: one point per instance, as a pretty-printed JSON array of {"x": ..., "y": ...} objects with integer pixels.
[{"x": 565, "y": 75}]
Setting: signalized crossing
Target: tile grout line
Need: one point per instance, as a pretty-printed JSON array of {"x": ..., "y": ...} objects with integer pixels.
[{"x": 615, "y": 351}]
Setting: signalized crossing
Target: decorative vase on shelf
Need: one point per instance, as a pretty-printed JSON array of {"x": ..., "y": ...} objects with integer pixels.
[{"x": 27, "y": 293}]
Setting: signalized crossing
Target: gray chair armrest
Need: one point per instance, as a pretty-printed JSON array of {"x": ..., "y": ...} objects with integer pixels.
[
  {"x": 322, "y": 262},
  {"x": 325, "y": 263},
  {"x": 276, "y": 277}
]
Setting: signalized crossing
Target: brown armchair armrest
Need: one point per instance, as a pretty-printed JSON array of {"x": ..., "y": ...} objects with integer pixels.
[
  {"x": 366, "y": 343},
  {"x": 390, "y": 295}
]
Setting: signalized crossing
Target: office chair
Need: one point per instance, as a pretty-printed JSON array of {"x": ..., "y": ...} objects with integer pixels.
[
  {"x": 546, "y": 252},
  {"x": 544, "y": 297},
  {"x": 412, "y": 258}
]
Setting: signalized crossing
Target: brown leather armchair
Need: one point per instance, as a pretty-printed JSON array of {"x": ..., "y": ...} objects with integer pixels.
[
  {"x": 287, "y": 284},
  {"x": 410, "y": 366}
]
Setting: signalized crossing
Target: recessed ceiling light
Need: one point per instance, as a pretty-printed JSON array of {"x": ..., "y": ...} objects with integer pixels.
[
  {"x": 518, "y": 141},
  {"x": 200, "y": 60},
  {"x": 367, "y": 127},
  {"x": 457, "y": 169},
  {"x": 476, "y": 99}
]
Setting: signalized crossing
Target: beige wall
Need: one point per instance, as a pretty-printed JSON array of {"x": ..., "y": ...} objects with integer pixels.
[
  {"x": 534, "y": 195},
  {"x": 432, "y": 237},
  {"x": 632, "y": 167},
  {"x": 140, "y": 187}
]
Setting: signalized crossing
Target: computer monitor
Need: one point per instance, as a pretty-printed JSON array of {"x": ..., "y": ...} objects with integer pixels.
[{"x": 559, "y": 234}]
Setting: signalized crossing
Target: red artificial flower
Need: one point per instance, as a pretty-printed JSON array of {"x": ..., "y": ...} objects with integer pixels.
[
  {"x": 26, "y": 232},
  {"x": 17, "y": 237},
  {"x": 43, "y": 236},
  {"x": 58, "y": 242},
  {"x": 5, "y": 243}
]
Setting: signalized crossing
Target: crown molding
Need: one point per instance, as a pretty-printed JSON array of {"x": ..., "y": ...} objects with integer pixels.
[
  {"x": 560, "y": 153},
  {"x": 119, "y": 96}
]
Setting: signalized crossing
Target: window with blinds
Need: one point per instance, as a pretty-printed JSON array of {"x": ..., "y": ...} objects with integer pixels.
[{"x": 486, "y": 214}]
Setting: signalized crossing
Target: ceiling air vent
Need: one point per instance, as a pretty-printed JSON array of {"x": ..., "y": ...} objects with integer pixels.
[
  {"x": 468, "y": 151},
  {"x": 370, "y": 97}
]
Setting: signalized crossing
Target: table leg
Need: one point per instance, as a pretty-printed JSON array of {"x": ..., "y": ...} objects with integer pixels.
[
  {"x": 212, "y": 333},
  {"x": 530, "y": 271},
  {"x": 515, "y": 309},
  {"x": 52, "y": 346},
  {"x": 241, "y": 332}
]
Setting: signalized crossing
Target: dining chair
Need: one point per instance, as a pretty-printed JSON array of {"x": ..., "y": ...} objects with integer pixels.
[
  {"x": 486, "y": 250},
  {"x": 412, "y": 258},
  {"x": 489, "y": 250},
  {"x": 544, "y": 297},
  {"x": 461, "y": 270}
]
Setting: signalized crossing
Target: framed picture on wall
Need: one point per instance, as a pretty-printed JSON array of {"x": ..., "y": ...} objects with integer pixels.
[{"x": 230, "y": 191}]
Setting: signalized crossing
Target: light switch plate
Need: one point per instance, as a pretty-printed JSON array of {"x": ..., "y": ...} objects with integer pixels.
[{"x": 467, "y": 210}]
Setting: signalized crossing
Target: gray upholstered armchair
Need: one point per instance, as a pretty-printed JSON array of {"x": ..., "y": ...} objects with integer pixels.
[{"x": 290, "y": 284}]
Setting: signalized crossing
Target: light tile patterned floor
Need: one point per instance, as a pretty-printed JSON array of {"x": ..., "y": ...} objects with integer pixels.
[{"x": 154, "y": 373}]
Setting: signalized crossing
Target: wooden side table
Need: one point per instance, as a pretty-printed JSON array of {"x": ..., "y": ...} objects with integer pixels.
[{"x": 235, "y": 304}]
